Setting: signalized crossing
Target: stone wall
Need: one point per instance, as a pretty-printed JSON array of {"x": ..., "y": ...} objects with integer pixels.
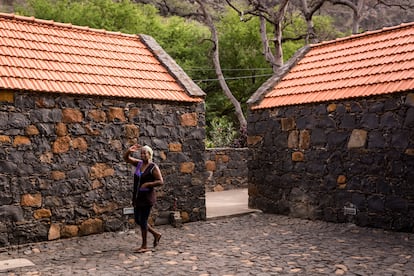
[
  {"x": 343, "y": 161},
  {"x": 226, "y": 169},
  {"x": 61, "y": 167}
]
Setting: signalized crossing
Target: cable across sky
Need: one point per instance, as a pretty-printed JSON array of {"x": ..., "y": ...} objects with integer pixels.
[{"x": 237, "y": 78}]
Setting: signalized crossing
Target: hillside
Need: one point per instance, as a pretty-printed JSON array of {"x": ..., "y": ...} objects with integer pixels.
[{"x": 374, "y": 16}]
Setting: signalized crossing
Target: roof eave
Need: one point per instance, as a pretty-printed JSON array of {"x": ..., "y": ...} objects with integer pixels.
[
  {"x": 282, "y": 71},
  {"x": 188, "y": 84}
]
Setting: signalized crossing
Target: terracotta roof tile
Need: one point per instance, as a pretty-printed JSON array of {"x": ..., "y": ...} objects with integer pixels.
[
  {"x": 46, "y": 56},
  {"x": 373, "y": 63}
]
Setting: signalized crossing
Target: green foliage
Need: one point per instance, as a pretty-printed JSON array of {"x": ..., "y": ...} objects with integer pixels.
[
  {"x": 243, "y": 64},
  {"x": 221, "y": 133},
  {"x": 295, "y": 27},
  {"x": 123, "y": 16},
  {"x": 324, "y": 28},
  {"x": 182, "y": 39},
  {"x": 241, "y": 50}
]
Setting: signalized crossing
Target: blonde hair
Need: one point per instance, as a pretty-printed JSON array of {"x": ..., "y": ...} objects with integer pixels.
[{"x": 148, "y": 149}]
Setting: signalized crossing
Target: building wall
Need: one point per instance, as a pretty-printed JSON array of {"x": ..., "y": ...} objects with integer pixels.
[
  {"x": 343, "y": 161},
  {"x": 62, "y": 173},
  {"x": 226, "y": 169}
]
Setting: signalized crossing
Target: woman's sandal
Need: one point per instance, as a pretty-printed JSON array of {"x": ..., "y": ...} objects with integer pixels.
[{"x": 141, "y": 250}]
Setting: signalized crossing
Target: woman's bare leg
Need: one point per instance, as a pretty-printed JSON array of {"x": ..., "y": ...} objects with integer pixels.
[{"x": 157, "y": 235}]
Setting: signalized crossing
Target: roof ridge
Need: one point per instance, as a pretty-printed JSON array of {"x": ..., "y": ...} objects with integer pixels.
[
  {"x": 364, "y": 34},
  {"x": 61, "y": 24}
]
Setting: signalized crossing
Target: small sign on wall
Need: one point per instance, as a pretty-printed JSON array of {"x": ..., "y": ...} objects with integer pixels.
[
  {"x": 128, "y": 210},
  {"x": 351, "y": 210}
]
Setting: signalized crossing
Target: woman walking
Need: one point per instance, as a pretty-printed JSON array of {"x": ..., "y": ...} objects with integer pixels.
[{"x": 147, "y": 176}]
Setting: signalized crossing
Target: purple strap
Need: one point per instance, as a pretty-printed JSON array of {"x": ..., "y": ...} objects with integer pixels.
[{"x": 138, "y": 169}]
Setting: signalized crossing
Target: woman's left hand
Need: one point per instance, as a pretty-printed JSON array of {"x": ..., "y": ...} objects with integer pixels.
[{"x": 145, "y": 185}]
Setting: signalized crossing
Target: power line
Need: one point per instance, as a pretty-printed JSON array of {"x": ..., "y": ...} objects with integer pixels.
[
  {"x": 228, "y": 69},
  {"x": 237, "y": 78}
]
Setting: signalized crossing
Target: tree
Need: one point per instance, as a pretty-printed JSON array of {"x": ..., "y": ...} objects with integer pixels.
[
  {"x": 207, "y": 19},
  {"x": 245, "y": 67},
  {"x": 268, "y": 11},
  {"x": 356, "y": 6},
  {"x": 308, "y": 10},
  {"x": 122, "y": 16}
]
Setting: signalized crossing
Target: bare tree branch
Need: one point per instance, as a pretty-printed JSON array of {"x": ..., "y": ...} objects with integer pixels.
[
  {"x": 278, "y": 34},
  {"x": 272, "y": 11},
  {"x": 356, "y": 10},
  {"x": 241, "y": 13},
  {"x": 267, "y": 52},
  {"x": 308, "y": 14},
  {"x": 403, "y": 4}
]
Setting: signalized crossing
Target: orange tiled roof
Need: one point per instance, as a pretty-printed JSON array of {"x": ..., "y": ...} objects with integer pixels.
[
  {"x": 372, "y": 63},
  {"x": 45, "y": 56}
]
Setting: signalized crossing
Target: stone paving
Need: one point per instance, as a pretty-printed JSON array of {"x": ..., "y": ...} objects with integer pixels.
[{"x": 252, "y": 244}]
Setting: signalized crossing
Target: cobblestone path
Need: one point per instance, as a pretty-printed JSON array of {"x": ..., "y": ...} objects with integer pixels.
[{"x": 253, "y": 244}]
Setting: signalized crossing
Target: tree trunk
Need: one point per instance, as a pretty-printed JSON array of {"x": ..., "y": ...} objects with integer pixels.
[
  {"x": 278, "y": 57},
  {"x": 216, "y": 61},
  {"x": 267, "y": 52},
  {"x": 356, "y": 11},
  {"x": 308, "y": 14}
]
